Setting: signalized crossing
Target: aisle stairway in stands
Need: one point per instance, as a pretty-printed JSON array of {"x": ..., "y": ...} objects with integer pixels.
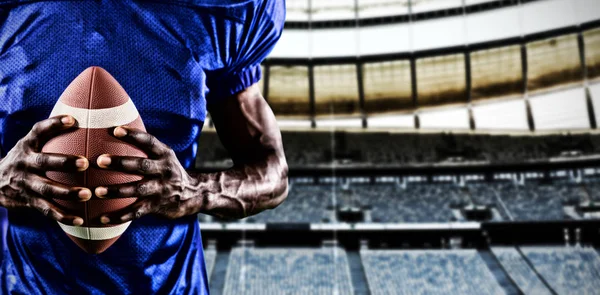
[
  {"x": 522, "y": 273},
  {"x": 499, "y": 272},
  {"x": 357, "y": 273}
]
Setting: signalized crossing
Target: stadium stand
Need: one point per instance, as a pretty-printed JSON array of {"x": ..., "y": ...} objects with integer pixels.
[
  {"x": 520, "y": 272},
  {"x": 592, "y": 187},
  {"x": 463, "y": 84},
  {"x": 530, "y": 202},
  {"x": 317, "y": 148},
  {"x": 571, "y": 192},
  {"x": 534, "y": 201},
  {"x": 347, "y": 198},
  {"x": 309, "y": 204},
  {"x": 432, "y": 202},
  {"x": 483, "y": 194},
  {"x": 416, "y": 203},
  {"x": 428, "y": 272},
  {"x": 288, "y": 271},
  {"x": 568, "y": 270}
]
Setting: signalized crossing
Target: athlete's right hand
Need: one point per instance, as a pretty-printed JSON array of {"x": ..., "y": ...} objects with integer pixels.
[{"x": 22, "y": 173}]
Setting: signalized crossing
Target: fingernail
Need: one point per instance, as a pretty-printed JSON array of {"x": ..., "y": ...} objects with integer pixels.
[
  {"x": 104, "y": 220},
  {"x": 85, "y": 194},
  {"x": 103, "y": 161},
  {"x": 67, "y": 120},
  {"x": 101, "y": 192},
  {"x": 120, "y": 132},
  {"x": 82, "y": 164},
  {"x": 77, "y": 221}
]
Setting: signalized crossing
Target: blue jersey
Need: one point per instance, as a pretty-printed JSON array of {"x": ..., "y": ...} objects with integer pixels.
[{"x": 173, "y": 58}]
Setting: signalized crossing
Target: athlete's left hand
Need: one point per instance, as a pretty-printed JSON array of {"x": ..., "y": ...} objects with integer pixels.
[{"x": 166, "y": 189}]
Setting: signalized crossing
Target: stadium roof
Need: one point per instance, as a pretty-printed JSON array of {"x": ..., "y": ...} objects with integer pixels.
[{"x": 446, "y": 28}]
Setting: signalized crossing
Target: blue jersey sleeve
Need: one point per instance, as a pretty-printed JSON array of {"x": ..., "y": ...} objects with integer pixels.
[{"x": 261, "y": 30}]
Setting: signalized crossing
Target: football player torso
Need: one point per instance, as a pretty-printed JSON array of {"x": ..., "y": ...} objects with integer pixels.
[{"x": 171, "y": 59}]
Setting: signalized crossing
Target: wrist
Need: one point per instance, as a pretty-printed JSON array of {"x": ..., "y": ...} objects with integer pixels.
[
  {"x": 194, "y": 193},
  {"x": 208, "y": 189}
]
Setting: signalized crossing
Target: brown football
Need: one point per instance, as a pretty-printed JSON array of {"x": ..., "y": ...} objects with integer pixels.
[{"x": 98, "y": 103}]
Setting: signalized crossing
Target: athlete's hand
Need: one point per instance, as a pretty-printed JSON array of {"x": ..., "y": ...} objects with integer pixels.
[
  {"x": 166, "y": 189},
  {"x": 22, "y": 173}
]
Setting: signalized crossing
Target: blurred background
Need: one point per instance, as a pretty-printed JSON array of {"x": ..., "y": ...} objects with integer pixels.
[{"x": 435, "y": 147}]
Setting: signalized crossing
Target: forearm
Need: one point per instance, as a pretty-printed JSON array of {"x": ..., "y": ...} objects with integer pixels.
[
  {"x": 244, "y": 190},
  {"x": 258, "y": 180}
]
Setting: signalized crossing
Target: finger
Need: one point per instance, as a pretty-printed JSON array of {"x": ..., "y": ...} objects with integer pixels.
[
  {"x": 7, "y": 202},
  {"x": 138, "y": 189},
  {"x": 57, "y": 162},
  {"x": 49, "y": 189},
  {"x": 146, "y": 142},
  {"x": 133, "y": 165},
  {"x": 53, "y": 212},
  {"x": 44, "y": 130},
  {"x": 131, "y": 212}
]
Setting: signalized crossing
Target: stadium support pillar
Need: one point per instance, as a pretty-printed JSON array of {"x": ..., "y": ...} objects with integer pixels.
[
  {"x": 413, "y": 70},
  {"x": 359, "y": 70},
  {"x": 582, "y": 62},
  {"x": 588, "y": 97},
  {"x": 413, "y": 84},
  {"x": 472, "y": 125},
  {"x": 590, "y": 109},
  {"x": 468, "y": 87},
  {"x": 468, "y": 74},
  {"x": 361, "y": 93},
  {"x": 530, "y": 120},
  {"x": 524, "y": 71},
  {"x": 311, "y": 95},
  {"x": 417, "y": 122}
]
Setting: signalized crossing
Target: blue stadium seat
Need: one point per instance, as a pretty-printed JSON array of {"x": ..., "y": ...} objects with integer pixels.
[
  {"x": 288, "y": 271},
  {"x": 428, "y": 272},
  {"x": 568, "y": 270}
]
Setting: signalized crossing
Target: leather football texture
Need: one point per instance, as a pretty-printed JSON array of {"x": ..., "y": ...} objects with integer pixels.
[{"x": 98, "y": 103}]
